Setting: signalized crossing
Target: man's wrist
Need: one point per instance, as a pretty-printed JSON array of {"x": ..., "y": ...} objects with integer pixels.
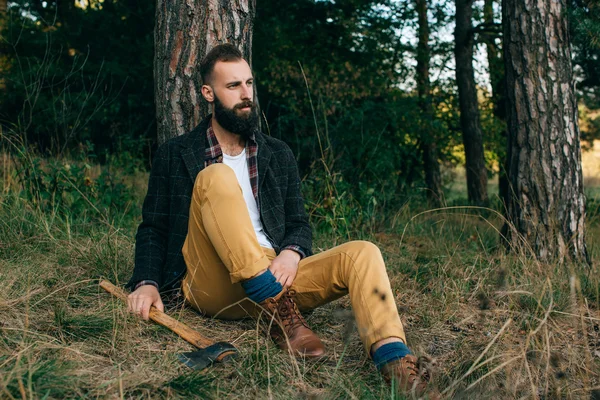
[
  {"x": 297, "y": 256},
  {"x": 145, "y": 282},
  {"x": 296, "y": 249}
]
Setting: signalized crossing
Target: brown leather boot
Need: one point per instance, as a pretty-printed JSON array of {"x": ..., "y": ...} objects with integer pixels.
[
  {"x": 288, "y": 328},
  {"x": 408, "y": 378}
]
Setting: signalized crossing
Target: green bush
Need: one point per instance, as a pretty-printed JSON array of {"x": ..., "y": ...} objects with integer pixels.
[{"x": 78, "y": 187}]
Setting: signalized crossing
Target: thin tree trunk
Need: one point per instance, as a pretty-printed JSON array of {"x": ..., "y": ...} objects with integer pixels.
[
  {"x": 469, "y": 108},
  {"x": 3, "y": 57},
  {"x": 496, "y": 70},
  {"x": 433, "y": 177},
  {"x": 185, "y": 31},
  {"x": 547, "y": 204}
]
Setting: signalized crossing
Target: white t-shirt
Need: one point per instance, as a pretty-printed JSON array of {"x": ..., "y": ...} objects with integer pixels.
[{"x": 239, "y": 164}]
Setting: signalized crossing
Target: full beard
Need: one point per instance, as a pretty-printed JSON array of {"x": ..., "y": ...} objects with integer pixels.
[{"x": 239, "y": 123}]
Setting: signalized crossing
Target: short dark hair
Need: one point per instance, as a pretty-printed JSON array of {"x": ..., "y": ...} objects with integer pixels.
[{"x": 222, "y": 52}]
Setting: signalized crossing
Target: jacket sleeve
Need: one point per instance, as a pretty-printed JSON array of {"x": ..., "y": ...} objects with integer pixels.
[
  {"x": 151, "y": 239},
  {"x": 297, "y": 228}
]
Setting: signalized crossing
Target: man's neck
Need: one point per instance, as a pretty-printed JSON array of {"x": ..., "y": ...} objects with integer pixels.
[{"x": 231, "y": 143}]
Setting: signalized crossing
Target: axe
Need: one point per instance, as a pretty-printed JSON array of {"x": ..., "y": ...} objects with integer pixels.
[{"x": 209, "y": 353}]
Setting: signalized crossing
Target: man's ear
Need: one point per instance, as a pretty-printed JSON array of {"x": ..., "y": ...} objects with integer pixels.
[{"x": 208, "y": 94}]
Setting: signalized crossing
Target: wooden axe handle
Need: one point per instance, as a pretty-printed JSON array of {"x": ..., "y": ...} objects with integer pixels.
[{"x": 163, "y": 319}]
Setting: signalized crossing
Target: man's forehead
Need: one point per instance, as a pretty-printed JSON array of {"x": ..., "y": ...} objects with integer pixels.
[{"x": 231, "y": 71}]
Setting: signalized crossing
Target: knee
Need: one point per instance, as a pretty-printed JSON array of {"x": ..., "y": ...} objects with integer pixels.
[
  {"x": 366, "y": 248},
  {"x": 216, "y": 177},
  {"x": 363, "y": 250},
  {"x": 364, "y": 261}
]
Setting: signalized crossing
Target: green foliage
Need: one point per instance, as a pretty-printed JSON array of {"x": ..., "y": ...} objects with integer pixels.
[
  {"x": 585, "y": 30},
  {"x": 584, "y": 25},
  {"x": 338, "y": 98},
  {"x": 494, "y": 129},
  {"x": 73, "y": 75},
  {"x": 73, "y": 188}
]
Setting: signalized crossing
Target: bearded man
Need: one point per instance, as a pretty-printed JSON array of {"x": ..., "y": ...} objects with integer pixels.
[{"x": 224, "y": 223}]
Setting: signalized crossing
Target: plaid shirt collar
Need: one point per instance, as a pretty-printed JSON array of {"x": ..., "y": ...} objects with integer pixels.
[{"x": 213, "y": 154}]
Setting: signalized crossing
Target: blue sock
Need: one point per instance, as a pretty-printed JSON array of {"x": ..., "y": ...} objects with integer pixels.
[
  {"x": 389, "y": 352},
  {"x": 262, "y": 287}
]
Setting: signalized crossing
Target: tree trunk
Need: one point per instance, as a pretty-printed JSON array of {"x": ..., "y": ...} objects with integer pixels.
[
  {"x": 547, "y": 204},
  {"x": 496, "y": 70},
  {"x": 185, "y": 31},
  {"x": 3, "y": 57},
  {"x": 433, "y": 177},
  {"x": 469, "y": 108}
]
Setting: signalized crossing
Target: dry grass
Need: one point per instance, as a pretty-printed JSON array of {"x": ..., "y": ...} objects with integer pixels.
[{"x": 498, "y": 326}]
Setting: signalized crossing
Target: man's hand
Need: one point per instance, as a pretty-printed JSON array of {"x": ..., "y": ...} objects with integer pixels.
[
  {"x": 284, "y": 267},
  {"x": 139, "y": 301}
]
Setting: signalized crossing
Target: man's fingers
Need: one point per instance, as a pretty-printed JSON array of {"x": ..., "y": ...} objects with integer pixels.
[
  {"x": 159, "y": 305},
  {"x": 145, "y": 309},
  {"x": 281, "y": 279},
  {"x": 284, "y": 280},
  {"x": 135, "y": 305},
  {"x": 139, "y": 305},
  {"x": 142, "y": 299},
  {"x": 277, "y": 275},
  {"x": 129, "y": 304}
]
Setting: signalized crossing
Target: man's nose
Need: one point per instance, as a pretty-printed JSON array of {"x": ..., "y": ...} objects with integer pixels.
[{"x": 247, "y": 92}]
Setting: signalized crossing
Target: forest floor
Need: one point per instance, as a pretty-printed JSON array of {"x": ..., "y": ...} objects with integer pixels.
[{"x": 497, "y": 325}]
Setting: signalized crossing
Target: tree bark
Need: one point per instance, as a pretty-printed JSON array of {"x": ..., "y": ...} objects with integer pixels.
[
  {"x": 469, "y": 108},
  {"x": 185, "y": 31},
  {"x": 547, "y": 205},
  {"x": 433, "y": 177},
  {"x": 496, "y": 69},
  {"x": 4, "y": 65}
]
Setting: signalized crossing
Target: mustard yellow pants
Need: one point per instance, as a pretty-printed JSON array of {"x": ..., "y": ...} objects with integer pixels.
[{"x": 221, "y": 250}]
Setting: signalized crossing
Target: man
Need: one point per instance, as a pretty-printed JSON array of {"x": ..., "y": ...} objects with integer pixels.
[{"x": 224, "y": 221}]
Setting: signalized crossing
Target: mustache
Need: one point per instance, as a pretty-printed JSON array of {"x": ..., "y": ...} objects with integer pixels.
[{"x": 244, "y": 104}]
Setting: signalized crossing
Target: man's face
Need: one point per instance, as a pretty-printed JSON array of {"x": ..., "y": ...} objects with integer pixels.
[{"x": 232, "y": 95}]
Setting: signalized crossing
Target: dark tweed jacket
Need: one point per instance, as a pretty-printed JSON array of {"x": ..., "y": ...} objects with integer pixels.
[{"x": 165, "y": 212}]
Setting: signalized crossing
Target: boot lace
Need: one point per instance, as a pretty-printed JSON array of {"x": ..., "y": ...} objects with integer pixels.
[
  {"x": 418, "y": 377},
  {"x": 288, "y": 312},
  {"x": 410, "y": 375}
]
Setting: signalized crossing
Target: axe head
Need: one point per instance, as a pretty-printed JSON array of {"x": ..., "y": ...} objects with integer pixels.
[{"x": 203, "y": 358}]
